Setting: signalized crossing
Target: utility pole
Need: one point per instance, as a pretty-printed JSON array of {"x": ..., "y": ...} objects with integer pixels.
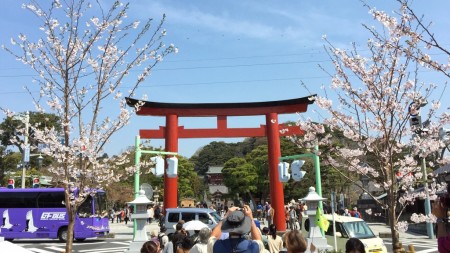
[
  {"x": 416, "y": 122},
  {"x": 26, "y": 150}
]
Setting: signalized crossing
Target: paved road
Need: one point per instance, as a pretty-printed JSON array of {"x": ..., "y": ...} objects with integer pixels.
[
  {"x": 420, "y": 245},
  {"x": 89, "y": 246},
  {"x": 124, "y": 234}
]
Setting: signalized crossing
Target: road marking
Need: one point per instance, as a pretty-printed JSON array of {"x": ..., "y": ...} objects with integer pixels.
[
  {"x": 427, "y": 251},
  {"x": 122, "y": 243},
  {"x": 104, "y": 249},
  {"x": 56, "y": 248},
  {"x": 40, "y": 250}
]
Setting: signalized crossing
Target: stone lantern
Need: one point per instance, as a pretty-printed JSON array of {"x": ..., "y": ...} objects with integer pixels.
[
  {"x": 140, "y": 219},
  {"x": 315, "y": 235}
]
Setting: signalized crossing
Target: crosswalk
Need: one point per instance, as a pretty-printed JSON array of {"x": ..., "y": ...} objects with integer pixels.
[
  {"x": 420, "y": 245},
  {"x": 113, "y": 247}
]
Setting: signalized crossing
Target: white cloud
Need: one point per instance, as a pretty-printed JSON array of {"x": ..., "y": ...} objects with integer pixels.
[{"x": 242, "y": 23}]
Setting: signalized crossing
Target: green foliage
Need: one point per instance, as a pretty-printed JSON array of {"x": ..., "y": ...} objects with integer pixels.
[
  {"x": 239, "y": 176},
  {"x": 213, "y": 154},
  {"x": 11, "y": 126},
  {"x": 259, "y": 158},
  {"x": 189, "y": 184}
]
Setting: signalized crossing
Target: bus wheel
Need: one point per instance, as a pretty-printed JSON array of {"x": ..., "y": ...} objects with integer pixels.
[
  {"x": 80, "y": 239},
  {"x": 62, "y": 234}
]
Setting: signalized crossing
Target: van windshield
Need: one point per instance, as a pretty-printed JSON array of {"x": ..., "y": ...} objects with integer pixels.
[
  {"x": 215, "y": 216},
  {"x": 358, "y": 229}
]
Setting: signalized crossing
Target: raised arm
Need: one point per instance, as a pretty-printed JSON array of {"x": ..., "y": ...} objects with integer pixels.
[
  {"x": 217, "y": 230},
  {"x": 254, "y": 231}
]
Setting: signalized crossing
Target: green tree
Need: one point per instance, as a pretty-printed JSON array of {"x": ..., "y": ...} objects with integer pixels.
[
  {"x": 240, "y": 176},
  {"x": 13, "y": 129},
  {"x": 258, "y": 157},
  {"x": 8, "y": 163},
  {"x": 189, "y": 184},
  {"x": 213, "y": 154}
]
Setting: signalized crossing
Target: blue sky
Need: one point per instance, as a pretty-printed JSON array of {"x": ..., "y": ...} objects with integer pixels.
[{"x": 229, "y": 51}]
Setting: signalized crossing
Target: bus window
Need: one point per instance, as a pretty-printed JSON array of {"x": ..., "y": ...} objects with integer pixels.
[
  {"x": 20, "y": 200},
  {"x": 85, "y": 210},
  {"x": 51, "y": 199},
  {"x": 100, "y": 203}
]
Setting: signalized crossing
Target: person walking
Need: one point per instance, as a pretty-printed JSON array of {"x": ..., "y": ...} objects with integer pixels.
[
  {"x": 275, "y": 242},
  {"x": 150, "y": 214},
  {"x": 178, "y": 236},
  {"x": 112, "y": 215},
  {"x": 163, "y": 238},
  {"x": 266, "y": 210},
  {"x": 270, "y": 215},
  {"x": 299, "y": 211},
  {"x": 292, "y": 218},
  {"x": 286, "y": 217},
  {"x": 237, "y": 223},
  {"x": 118, "y": 217},
  {"x": 259, "y": 211}
]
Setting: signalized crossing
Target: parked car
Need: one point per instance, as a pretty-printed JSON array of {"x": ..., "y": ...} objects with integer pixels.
[
  {"x": 174, "y": 215},
  {"x": 349, "y": 227}
]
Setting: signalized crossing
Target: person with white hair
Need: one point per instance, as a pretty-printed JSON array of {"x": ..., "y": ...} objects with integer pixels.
[{"x": 202, "y": 245}]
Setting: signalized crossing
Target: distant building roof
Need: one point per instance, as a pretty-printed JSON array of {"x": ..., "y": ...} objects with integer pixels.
[
  {"x": 214, "y": 170},
  {"x": 441, "y": 170},
  {"x": 218, "y": 188}
]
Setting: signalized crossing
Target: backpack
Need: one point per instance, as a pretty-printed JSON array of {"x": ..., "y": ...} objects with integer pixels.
[{"x": 160, "y": 237}]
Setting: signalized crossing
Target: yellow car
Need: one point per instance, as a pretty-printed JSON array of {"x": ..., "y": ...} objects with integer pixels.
[{"x": 349, "y": 227}]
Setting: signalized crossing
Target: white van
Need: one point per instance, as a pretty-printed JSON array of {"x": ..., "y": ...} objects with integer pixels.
[
  {"x": 205, "y": 215},
  {"x": 349, "y": 227}
]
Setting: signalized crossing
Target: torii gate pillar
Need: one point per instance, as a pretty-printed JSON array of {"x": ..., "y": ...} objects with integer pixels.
[
  {"x": 276, "y": 187},
  {"x": 171, "y": 184}
]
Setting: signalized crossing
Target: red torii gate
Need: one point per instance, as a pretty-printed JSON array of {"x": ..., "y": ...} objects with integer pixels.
[{"x": 172, "y": 132}]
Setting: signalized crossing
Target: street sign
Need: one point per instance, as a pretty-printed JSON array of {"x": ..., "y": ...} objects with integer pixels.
[{"x": 26, "y": 154}]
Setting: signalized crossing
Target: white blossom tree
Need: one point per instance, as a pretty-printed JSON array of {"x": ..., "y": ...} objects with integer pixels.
[
  {"x": 375, "y": 92},
  {"x": 83, "y": 61}
]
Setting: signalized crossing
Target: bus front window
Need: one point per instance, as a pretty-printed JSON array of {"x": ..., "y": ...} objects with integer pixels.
[
  {"x": 100, "y": 204},
  {"x": 85, "y": 210}
]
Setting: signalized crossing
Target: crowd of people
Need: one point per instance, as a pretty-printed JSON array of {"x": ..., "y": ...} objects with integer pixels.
[
  {"x": 120, "y": 215},
  {"x": 238, "y": 231}
]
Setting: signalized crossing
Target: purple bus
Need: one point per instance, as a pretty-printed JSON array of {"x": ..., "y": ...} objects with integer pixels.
[{"x": 41, "y": 213}]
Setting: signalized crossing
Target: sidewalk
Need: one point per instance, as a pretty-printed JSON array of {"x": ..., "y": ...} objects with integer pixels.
[
  {"x": 122, "y": 231},
  {"x": 382, "y": 230}
]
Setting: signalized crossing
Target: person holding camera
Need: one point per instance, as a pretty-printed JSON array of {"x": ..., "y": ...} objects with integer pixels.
[
  {"x": 238, "y": 223},
  {"x": 439, "y": 209}
]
